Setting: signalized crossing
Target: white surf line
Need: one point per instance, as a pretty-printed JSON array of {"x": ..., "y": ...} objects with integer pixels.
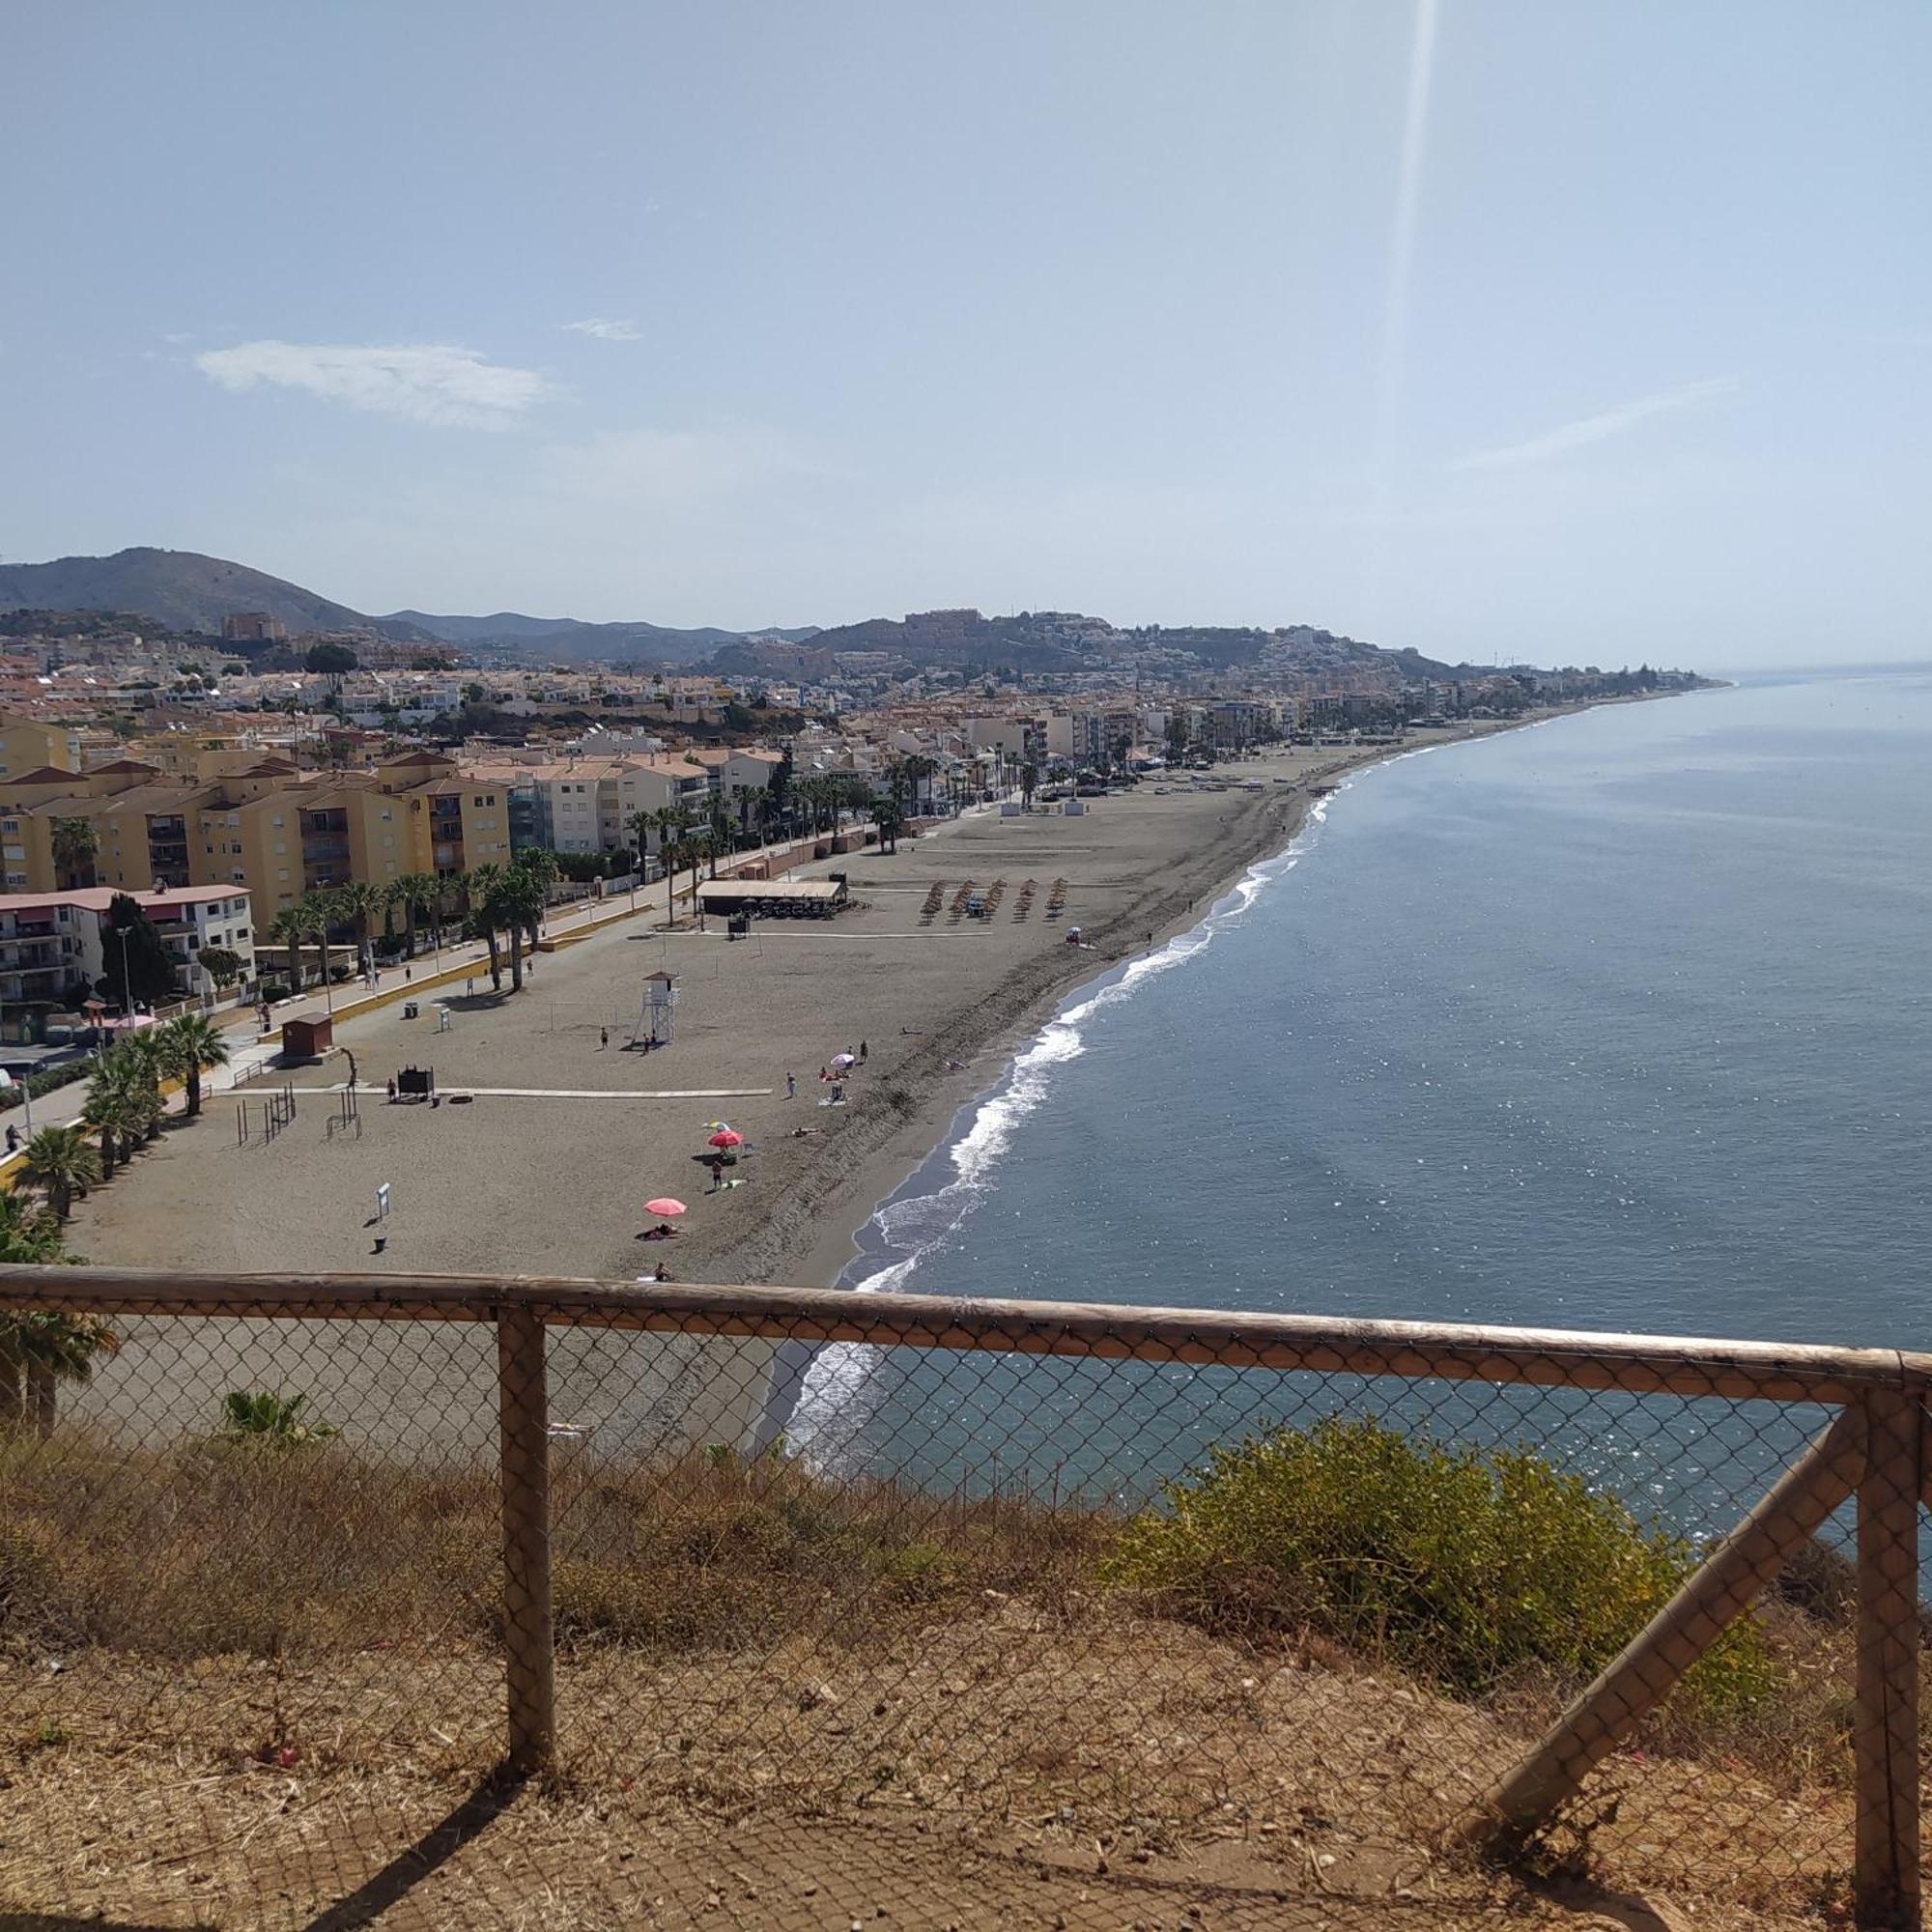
[{"x": 572, "y": 1093}]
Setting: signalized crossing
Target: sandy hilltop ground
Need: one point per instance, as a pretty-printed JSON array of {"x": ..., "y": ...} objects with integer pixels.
[{"x": 552, "y": 1179}]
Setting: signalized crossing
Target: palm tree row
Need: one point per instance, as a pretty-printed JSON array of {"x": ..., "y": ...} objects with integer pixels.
[
  {"x": 510, "y": 898},
  {"x": 41, "y": 1348},
  {"x": 361, "y": 906}
]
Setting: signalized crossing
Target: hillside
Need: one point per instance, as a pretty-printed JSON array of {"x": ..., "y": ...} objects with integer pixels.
[
  {"x": 179, "y": 589},
  {"x": 1034, "y": 641},
  {"x": 572, "y": 637}
]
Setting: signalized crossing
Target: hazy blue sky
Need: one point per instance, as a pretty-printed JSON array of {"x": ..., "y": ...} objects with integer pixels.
[{"x": 1559, "y": 332}]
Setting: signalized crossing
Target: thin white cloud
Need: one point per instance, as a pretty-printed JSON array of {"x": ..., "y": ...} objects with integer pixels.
[
  {"x": 441, "y": 384},
  {"x": 605, "y": 327},
  {"x": 1599, "y": 428}
]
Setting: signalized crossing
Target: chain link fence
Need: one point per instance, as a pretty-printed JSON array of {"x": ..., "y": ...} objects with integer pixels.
[{"x": 523, "y": 1602}]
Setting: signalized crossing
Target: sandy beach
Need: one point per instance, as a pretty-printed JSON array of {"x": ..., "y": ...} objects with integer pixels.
[{"x": 549, "y": 1175}]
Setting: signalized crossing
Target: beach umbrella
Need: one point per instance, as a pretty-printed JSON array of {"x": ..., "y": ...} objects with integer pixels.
[
  {"x": 717, "y": 1126},
  {"x": 844, "y": 1060},
  {"x": 726, "y": 1138},
  {"x": 664, "y": 1207}
]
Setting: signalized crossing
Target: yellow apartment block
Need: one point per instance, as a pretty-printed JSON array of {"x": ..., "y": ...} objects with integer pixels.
[{"x": 278, "y": 831}]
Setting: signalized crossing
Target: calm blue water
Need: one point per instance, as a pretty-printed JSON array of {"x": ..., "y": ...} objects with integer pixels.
[{"x": 1619, "y": 1022}]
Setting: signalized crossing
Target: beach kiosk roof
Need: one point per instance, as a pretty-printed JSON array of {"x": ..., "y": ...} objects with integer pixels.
[{"x": 772, "y": 896}]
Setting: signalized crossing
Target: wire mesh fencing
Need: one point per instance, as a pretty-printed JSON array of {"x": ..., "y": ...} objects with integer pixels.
[{"x": 298, "y": 1575}]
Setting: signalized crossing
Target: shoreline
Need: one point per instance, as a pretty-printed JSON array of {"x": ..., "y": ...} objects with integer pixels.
[
  {"x": 573, "y": 1127},
  {"x": 825, "y": 1255}
]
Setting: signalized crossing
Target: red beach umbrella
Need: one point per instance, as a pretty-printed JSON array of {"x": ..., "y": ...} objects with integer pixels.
[
  {"x": 664, "y": 1207},
  {"x": 726, "y": 1136}
]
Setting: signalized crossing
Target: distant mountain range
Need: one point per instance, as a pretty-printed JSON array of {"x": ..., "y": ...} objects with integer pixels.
[
  {"x": 183, "y": 591},
  {"x": 571, "y": 638}
]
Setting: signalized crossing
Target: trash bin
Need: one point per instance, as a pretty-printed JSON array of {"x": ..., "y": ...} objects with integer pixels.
[{"x": 410, "y": 1010}]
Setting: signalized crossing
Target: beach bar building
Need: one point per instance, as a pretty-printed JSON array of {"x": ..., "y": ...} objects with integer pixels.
[{"x": 773, "y": 898}]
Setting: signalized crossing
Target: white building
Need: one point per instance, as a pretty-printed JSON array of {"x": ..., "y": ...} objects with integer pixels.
[{"x": 57, "y": 944}]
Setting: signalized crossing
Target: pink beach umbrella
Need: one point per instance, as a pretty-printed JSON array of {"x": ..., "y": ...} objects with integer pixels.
[
  {"x": 664, "y": 1207},
  {"x": 726, "y": 1137}
]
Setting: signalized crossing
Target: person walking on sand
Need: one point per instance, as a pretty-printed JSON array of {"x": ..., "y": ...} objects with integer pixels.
[
  {"x": 791, "y": 1088},
  {"x": 863, "y": 1050},
  {"x": 602, "y": 1038}
]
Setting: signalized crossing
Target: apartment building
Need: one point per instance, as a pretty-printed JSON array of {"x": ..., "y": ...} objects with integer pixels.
[
  {"x": 56, "y": 948},
  {"x": 269, "y": 829},
  {"x": 588, "y": 804},
  {"x": 27, "y": 745}
]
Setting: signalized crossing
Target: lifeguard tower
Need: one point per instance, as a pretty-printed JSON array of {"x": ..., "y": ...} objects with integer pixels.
[{"x": 655, "y": 1008}]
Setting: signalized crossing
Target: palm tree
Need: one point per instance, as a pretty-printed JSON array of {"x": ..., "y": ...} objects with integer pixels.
[
  {"x": 61, "y": 1164},
  {"x": 539, "y": 864},
  {"x": 671, "y": 821},
  {"x": 29, "y": 1234},
  {"x": 113, "y": 1110},
  {"x": 1029, "y": 783},
  {"x": 888, "y": 814},
  {"x": 287, "y": 928},
  {"x": 43, "y": 1348},
  {"x": 76, "y": 845},
  {"x": 516, "y": 901},
  {"x": 432, "y": 895},
  {"x": 718, "y": 825},
  {"x": 481, "y": 888},
  {"x": 190, "y": 1046},
  {"x": 359, "y": 901},
  {"x": 700, "y": 846},
  {"x": 641, "y": 824}
]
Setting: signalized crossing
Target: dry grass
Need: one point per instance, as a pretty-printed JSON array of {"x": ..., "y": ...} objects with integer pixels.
[{"x": 231, "y": 1661}]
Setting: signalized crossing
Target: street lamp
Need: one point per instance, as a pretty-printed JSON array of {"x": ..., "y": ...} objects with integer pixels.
[{"x": 127, "y": 977}]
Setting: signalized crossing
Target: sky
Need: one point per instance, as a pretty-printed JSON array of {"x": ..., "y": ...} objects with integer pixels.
[{"x": 1593, "y": 332}]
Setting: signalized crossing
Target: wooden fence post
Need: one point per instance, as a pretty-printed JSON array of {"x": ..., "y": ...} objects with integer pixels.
[
  {"x": 1884, "y": 1727},
  {"x": 528, "y": 1637},
  {"x": 1644, "y": 1671}
]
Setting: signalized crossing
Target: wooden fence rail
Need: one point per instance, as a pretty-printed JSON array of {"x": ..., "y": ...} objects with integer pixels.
[{"x": 1873, "y": 1448}]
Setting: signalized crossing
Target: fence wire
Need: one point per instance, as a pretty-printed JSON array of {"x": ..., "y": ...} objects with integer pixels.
[{"x": 955, "y": 1635}]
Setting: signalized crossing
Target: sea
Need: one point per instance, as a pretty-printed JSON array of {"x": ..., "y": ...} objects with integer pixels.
[{"x": 1619, "y": 1021}]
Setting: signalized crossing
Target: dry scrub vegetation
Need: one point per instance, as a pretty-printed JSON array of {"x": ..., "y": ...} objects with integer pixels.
[{"x": 1318, "y": 1651}]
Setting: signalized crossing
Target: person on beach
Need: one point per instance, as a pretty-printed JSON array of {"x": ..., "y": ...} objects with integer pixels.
[
  {"x": 602, "y": 1038},
  {"x": 791, "y": 1088},
  {"x": 663, "y": 1273},
  {"x": 863, "y": 1050}
]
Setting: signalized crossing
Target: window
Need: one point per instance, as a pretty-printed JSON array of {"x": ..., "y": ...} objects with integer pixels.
[
  {"x": 238, "y": 877},
  {"x": 234, "y": 819},
  {"x": 276, "y": 822},
  {"x": 282, "y": 873}
]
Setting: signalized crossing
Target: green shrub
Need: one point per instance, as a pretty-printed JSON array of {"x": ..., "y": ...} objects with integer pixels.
[
  {"x": 46, "y": 1082},
  {"x": 1466, "y": 1567},
  {"x": 265, "y": 1417}
]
